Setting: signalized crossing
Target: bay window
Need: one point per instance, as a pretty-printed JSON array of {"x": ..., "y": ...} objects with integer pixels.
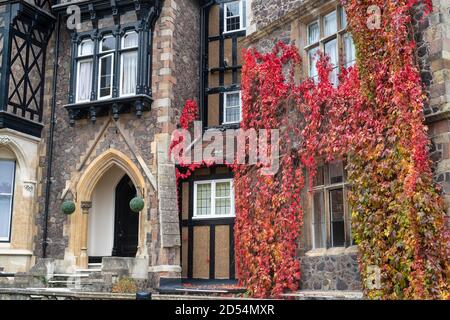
[
  {"x": 106, "y": 56},
  {"x": 7, "y": 176},
  {"x": 214, "y": 199},
  {"x": 328, "y": 33}
]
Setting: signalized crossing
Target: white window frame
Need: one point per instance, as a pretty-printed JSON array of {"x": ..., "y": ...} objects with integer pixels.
[
  {"x": 136, "y": 49},
  {"x": 100, "y": 75},
  {"x": 225, "y": 107},
  {"x": 242, "y": 10},
  {"x": 8, "y": 238},
  {"x": 78, "y": 68},
  {"x": 111, "y": 54},
  {"x": 212, "y": 215}
]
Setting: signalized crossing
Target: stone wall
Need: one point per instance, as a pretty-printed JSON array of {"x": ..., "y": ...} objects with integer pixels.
[
  {"x": 330, "y": 272},
  {"x": 265, "y": 12},
  {"x": 144, "y": 141},
  {"x": 433, "y": 54}
]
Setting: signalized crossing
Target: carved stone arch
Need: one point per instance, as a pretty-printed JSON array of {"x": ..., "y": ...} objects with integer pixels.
[
  {"x": 95, "y": 171},
  {"x": 78, "y": 224},
  {"x": 23, "y": 166}
]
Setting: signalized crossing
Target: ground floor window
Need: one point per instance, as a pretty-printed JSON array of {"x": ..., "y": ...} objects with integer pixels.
[
  {"x": 214, "y": 198},
  {"x": 331, "y": 221},
  {"x": 7, "y": 175}
]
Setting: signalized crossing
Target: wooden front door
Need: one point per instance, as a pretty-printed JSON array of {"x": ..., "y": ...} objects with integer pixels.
[{"x": 126, "y": 227}]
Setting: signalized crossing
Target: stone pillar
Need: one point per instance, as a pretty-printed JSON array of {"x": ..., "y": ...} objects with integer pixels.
[{"x": 85, "y": 207}]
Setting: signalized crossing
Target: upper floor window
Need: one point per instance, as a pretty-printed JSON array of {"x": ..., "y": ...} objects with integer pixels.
[
  {"x": 328, "y": 33},
  {"x": 214, "y": 199},
  {"x": 234, "y": 16},
  {"x": 232, "y": 112},
  {"x": 109, "y": 53},
  {"x": 7, "y": 176},
  {"x": 331, "y": 225}
]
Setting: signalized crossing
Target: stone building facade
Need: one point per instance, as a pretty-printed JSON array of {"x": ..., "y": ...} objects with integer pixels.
[
  {"x": 287, "y": 21},
  {"x": 96, "y": 144},
  {"x": 85, "y": 149}
]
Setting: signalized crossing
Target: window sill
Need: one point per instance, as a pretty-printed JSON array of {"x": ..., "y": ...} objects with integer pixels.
[
  {"x": 224, "y": 127},
  {"x": 332, "y": 251},
  {"x": 213, "y": 217},
  {"x": 226, "y": 33},
  {"x": 113, "y": 106}
]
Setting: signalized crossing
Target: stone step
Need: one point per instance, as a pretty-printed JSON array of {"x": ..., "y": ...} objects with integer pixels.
[
  {"x": 70, "y": 275},
  {"x": 325, "y": 295},
  {"x": 87, "y": 271}
]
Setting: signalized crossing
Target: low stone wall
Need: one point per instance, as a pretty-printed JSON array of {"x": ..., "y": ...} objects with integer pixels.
[{"x": 330, "y": 272}]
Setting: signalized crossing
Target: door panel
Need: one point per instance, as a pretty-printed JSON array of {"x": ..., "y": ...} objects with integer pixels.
[{"x": 127, "y": 222}]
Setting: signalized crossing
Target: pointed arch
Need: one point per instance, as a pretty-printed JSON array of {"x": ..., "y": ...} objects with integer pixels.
[
  {"x": 95, "y": 171},
  {"x": 84, "y": 190}
]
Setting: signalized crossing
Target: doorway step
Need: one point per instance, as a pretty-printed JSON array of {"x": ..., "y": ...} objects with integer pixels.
[
  {"x": 200, "y": 287},
  {"x": 89, "y": 279}
]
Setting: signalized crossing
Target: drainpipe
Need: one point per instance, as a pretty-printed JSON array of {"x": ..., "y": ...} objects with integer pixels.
[{"x": 48, "y": 179}]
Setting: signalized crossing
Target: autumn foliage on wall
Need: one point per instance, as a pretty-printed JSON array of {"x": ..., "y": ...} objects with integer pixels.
[
  {"x": 374, "y": 119},
  {"x": 398, "y": 216}
]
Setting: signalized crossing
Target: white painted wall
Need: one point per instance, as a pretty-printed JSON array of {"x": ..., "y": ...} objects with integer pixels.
[{"x": 101, "y": 216}]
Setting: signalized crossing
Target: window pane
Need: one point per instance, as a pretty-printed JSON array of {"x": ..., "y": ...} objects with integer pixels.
[
  {"x": 86, "y": 48},
  {"x": 223, "y": 206},
  {"x": 313, "y": 58},
  {"x": 106, "y": 76},
  {"x": 7, "y": 168},
  {"x": 343, "y": 18},
  {"x": 313, "y": 33},
  {"x": 203, "y": 199},
  {"x": 330, "y": 23},
  {"x": 5, "y": 216},
  {"x": 233, "y": 114},
  {"x": 129, "y": 73},
  {"x": 349, "y": 50},
  {"x": 233, "y": 99},
  {"x": 233, "y": 9},
  {"x": 336, "y": 172},
  {"x": 337, "y": 217},
  {"x": 130, "y": 40},
  {"x": 84, "y": 81},
  {"x": 6, "y": 176},
  {"x": 319, "y": 221},
  {"x": 223, "y": 189},
  {"x": 332, "y": 51},
  {"x": 108, "y": 43},
  {"x": 319, "y": 179}
]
